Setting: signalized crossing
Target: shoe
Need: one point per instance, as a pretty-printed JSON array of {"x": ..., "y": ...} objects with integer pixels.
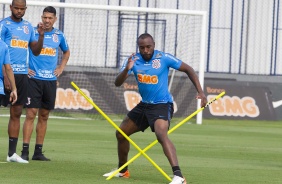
[
  {"x": 119, "y": 175},
  {"x": 178, "y": 180},
  {"x": 25, "y": 155},
  {"x": 16, "y": 158},
  {"x": 40, "y": 157}
]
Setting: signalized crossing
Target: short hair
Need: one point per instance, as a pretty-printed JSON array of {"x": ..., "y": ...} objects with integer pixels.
[
  {"x": 50, "y": 9},
  {"x": 21, "y": 1},
  {"x": 145, "y": 35}
]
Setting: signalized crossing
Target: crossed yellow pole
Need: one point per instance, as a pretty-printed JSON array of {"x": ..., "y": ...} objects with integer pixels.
[
  {"x": 133, "y": 143},
  {"x": 170, "y": 131},
  {"x": 118, "y": 129}
]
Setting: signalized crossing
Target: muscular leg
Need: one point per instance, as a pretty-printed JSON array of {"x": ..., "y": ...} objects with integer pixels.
[
  {"x": 41, "y": 126},
  {"x": 128, "y": 127},
  {"x": 14, "y": 122},
  {"x": 14, "y": 127},
  {"x": 161, "y": 129},
  {"x": 28, "y": 124}
]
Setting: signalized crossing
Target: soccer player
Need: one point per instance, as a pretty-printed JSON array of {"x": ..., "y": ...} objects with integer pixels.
[
  {"x": 150, "y": 68},
  {"x": 5, "y": 62},
  {"x": 43, "y": 73},
  {"x": 18, "y": 34}
]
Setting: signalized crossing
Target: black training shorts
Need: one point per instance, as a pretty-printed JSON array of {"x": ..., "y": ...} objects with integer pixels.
[
  {"x": 145, "y": 115},
  {"x": 22, "y": 86},
  {"x": 41, "y": 94}
]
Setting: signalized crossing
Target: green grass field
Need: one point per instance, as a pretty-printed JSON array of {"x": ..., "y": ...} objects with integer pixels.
[{"x": 245, "y": 152}]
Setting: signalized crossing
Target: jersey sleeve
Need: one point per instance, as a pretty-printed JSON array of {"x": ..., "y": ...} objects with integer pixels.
[
  {"x": 172, "y": 61},
  {"x": 64, "y": 44},
  {"x": 3, "y": 30},
  {"x": 7, "y": 56}
]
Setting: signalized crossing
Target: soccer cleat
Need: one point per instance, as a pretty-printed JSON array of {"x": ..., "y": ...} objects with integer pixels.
[
  {"x": 178, "y": 180},
  {"x": 16, "y": 158},
  {"x": 25, "y": 155},
  {"x": 118, "y": 175},
  {"x": 40, "y": 157}
]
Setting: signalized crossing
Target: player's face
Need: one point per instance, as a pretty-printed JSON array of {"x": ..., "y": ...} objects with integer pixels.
[
  {"x": 146, "y": 48},
  {"x": 48, "y": 20},
  {"x": 18, "y": 10}
]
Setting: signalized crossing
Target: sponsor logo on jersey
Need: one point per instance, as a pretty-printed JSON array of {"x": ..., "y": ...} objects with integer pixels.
[
  {"x": 19, "y": 44},
  {"x": 47, "y": 51},
  {"x": 147, "y": 79},
  {"x": 25, "y": 29},
  {"x": 55, "y": 38},
  {"x": 156, "y": 63}
]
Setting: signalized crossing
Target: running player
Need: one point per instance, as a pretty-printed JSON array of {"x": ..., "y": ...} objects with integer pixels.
[
  {"x": 43, "y": 73},
  {"x": 150, "y": 68},
  {"x": 18, "y": 34}
]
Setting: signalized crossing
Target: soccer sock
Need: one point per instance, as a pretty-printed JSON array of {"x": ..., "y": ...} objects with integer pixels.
[
  {"x": 12, "y": 145},
  {"x": 38, "y": 149},
  {"x": 124, "y": 169},
  {"x": 25, "y": 148},
  {"x": 176, "y": 171}
]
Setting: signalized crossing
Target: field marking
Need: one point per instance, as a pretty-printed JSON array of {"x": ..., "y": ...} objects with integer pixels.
[{"x": 3, "y": 162}]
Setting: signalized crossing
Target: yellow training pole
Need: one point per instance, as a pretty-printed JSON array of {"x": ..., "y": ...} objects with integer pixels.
[
  {"x": 118, "y": 129},
  {"x": 170, "y": 131}
]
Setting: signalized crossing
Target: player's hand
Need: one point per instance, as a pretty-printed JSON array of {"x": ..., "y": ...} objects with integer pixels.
[
  {"x": 31, "y": 73},
  {"x": 58, "y": 71},
  {"x": 13, "y": 96},
  {"x": 40, "y": 28},
  {"x": 131, "y": 61},
  {"x": 203, "y": 98}
]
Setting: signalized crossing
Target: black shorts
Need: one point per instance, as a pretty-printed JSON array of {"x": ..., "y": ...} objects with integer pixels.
[
  {"x": 41, "y": 94},
  {"x": 22, "y": 86},
  {"x": 145, "y": 115}
]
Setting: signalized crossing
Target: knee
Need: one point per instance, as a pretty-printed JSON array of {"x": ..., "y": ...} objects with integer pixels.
[{"x": 119, "y": 136}]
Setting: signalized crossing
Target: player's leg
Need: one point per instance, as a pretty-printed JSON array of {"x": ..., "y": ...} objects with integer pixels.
[
  {"x": 14, "y": 128},
  {"x": 135, "y": 121},
  {"x": 33, "y": 103},
  {"x": 161, "y": 126},
  {"x": 27, "y": 131},
  {"x": 47, "y": 104},
  {"x": 41, "y": 128},
  {"x": 15, "y": 115}
]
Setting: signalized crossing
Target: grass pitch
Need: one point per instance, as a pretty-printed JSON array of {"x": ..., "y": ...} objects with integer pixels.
[{"x": 245, "y": 152}]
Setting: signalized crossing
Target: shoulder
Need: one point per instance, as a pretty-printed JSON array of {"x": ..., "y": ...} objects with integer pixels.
[
  {"x": 170, "y": 56},
  {"x": 5, "y": 21},
  {"x": 57, "y": 31},
  {"x": 26, "y": 23}
]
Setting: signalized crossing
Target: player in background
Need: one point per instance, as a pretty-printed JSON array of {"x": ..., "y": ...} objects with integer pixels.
[
  {"x": 5, "y": 62},
  {"x": 18, "y": 34},
  {"x": 43, "y": 73},
  {"x": 150, "y": 68}
]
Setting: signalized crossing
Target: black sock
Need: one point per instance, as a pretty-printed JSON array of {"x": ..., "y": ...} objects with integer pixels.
[
  {"x": 176, "y": 171},
  {"x": 124, "y": 169},
  {"x": 38, "y": 149},
  {"x": 12, "y": 145},
  {"x": 25, "y": 148}
]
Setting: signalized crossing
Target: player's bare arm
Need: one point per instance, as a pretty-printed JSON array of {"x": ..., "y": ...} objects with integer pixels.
[
  {"x": 195, "y": 80},
  {"x": 122, "y": 76},
  {"x": 10, "y": 76},
  {"x": 7, "y": 84},
  {"x": 36, "y": 47},
  {"x": 59, "y": 70}
]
